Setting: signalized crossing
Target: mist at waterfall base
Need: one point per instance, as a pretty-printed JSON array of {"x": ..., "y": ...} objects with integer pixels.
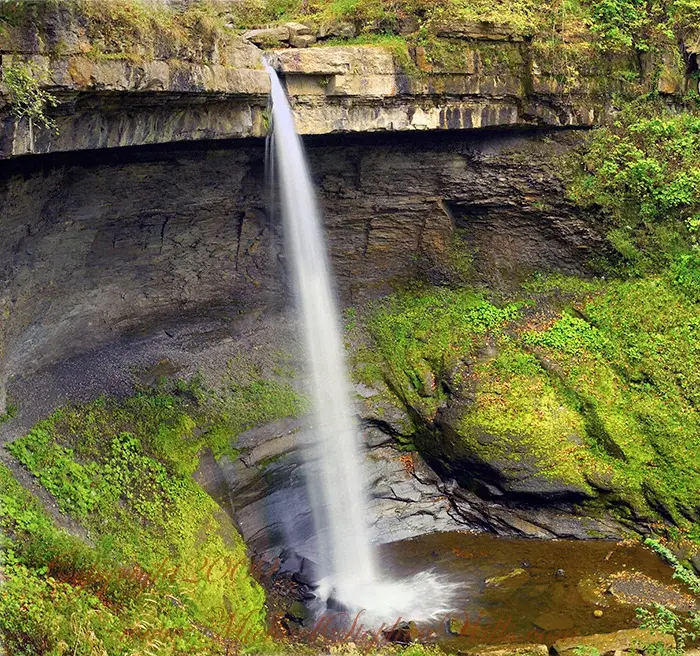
[{"x": 334, "y": 458}]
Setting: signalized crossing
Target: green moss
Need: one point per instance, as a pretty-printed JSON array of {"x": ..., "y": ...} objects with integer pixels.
[
  {"x": 134, "y": 30},
  {"x": 561, "y": 285},
  {"x": 130, "y": 29},
  {"x": 524, "y": 416},
  {"x": 123, "y": 470},
  {"x": 398, "y": 46},
  {"x": 685, "y": 274},
  {"x": 9, "y": 413},
  {"x": 422, "y": 336},
  {"x": 596, "y": 384},
  {"x": 633, "y": 362},
  {"x": 246, "y": 398}
]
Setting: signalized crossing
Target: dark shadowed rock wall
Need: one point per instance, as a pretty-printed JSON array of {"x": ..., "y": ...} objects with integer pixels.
[{"x": 98, "y": 244}]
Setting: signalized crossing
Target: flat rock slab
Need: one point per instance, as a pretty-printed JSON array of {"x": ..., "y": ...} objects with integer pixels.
[
  {"x": 609, "y": 643},
  {"x": 638, "y": 589},
  {"x": 554, "y": 622}
]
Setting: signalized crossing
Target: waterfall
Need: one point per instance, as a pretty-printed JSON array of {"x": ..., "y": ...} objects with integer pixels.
[{"x": 334, "y": 458}]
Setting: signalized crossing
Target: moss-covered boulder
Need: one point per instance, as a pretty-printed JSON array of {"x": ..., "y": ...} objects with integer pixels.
[{"x": 583, "y": 393}]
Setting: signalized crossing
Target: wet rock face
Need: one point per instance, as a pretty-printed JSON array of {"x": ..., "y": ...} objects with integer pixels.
[
  {"x": 268, "y": 497},
  {"x": 114, "y": 242},
  {"x": 94, "y": 250}
]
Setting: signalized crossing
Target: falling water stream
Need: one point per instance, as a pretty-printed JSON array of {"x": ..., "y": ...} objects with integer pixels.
[{"x": 335, "y": 475}]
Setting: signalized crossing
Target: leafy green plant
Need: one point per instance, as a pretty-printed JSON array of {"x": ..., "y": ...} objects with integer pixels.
[
  {"x": 642, "y": 172},
  {"x": 665, "y": 621},
  {"x": 662, "y": 620},
  {"x": 28, "y": 98},
  {"x": 685, "y": 273},
  {"x": 680, "y": 572},
  {"x": 625, "y": 23}
]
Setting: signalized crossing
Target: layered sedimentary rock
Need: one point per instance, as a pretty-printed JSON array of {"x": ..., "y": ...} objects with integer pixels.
[
  {"x": 216, "y": 88},
  {"x": 96, "y": 246}
]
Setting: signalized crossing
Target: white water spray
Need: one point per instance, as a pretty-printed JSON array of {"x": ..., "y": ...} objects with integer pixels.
[{"x": 336, "y": 481}]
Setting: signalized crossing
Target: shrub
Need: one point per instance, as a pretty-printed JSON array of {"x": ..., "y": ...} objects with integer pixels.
[
  {"x": 28, "y": 98},
  {"x": 642, "y": 172}
]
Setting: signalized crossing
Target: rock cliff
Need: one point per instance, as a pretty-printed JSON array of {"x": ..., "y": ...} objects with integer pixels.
[
  {"x": 213, "y": 86},
  {"x": 107, "y": 243}
]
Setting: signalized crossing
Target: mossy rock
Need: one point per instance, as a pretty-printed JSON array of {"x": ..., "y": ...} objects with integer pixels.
[{"x": 594, "y": 404}]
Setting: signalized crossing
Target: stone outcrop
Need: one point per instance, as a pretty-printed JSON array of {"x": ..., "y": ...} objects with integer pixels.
[
  {"x": 111, "y": 103},
  {"x": 607, "y": 644},
  {"x": 507, "y": 650},
  {"x": 408, "y": 499}
]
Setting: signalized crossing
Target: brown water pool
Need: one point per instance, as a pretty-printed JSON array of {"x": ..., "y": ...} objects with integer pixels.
[{"x": 533, "y": 590}]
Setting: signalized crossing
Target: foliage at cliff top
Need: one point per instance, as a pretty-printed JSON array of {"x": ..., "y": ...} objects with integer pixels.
[
  {"x": 138, "y": 29},
  {"x": 120, "y": 29},
  {"x": 601, "y": 393},
  {"x": 167, "y": 571},
  {"x": 616, "y": 23},
  {"x": 643, "y": 173}
]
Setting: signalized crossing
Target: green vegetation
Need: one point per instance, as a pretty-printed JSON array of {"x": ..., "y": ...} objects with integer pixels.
[
  {"x": 396, "y": 16},
  {"x": 519, "y": 404},
  {"x": 125, "y": 29},
  {"x": 664, "y": 621},
  {"x": 602, "y": 391},
  {"x": 136, "y": 30},
  {"x": 639, "y": 24},
  {"x": 643, "y": 172},
  {"x": 159, "y": 567},
  {"x": 10, "y": 413},
  {"x": 245, "y": 399},
  {"x": 630, "y": 361},
  {"x": 166, "y": 559},
  {"x": 588, "y": 382},
  {"x": 421, "y": 336},
  {"x": 570, "y": 34},
  {"x": 28, "y": 99}
]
